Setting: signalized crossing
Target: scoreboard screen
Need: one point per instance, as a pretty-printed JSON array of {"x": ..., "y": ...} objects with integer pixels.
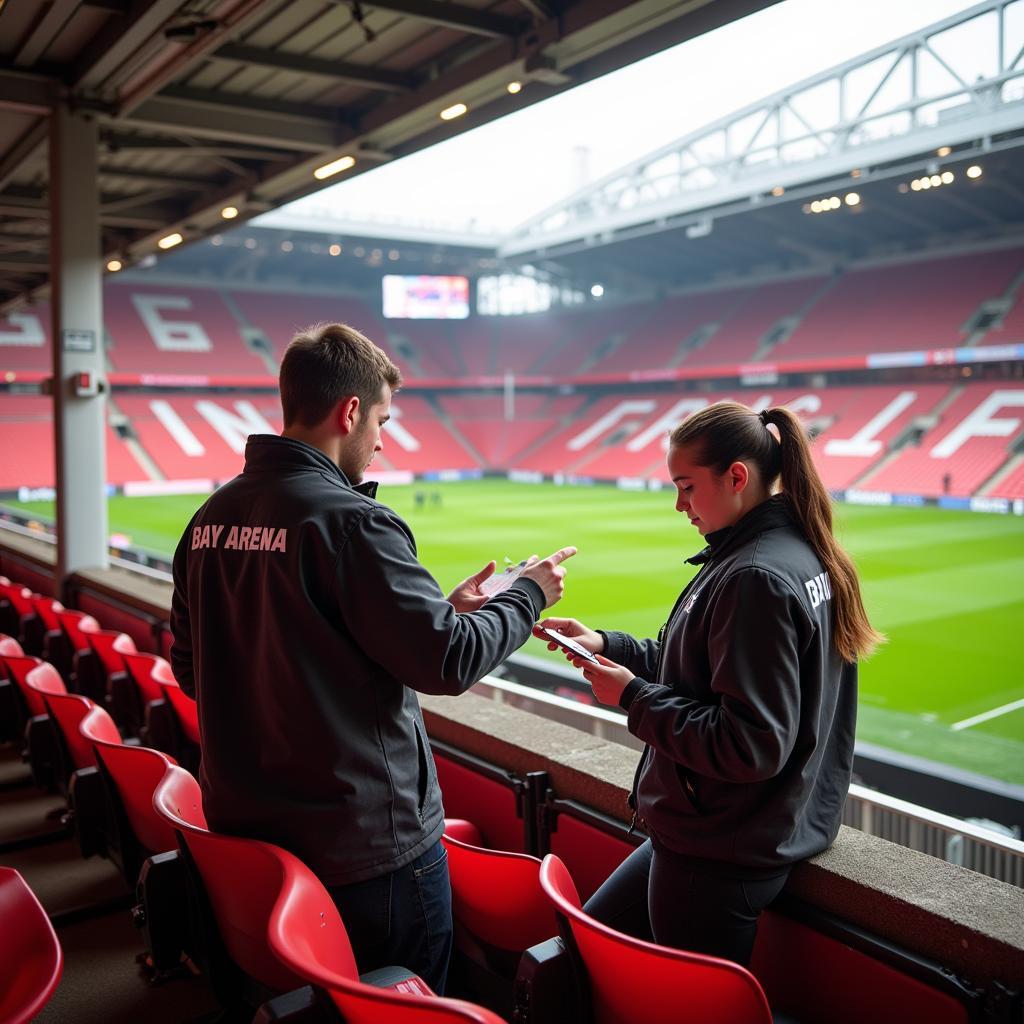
[{"x": 426, "y": 297}]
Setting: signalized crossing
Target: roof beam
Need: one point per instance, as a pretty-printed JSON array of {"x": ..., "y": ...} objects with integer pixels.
[
  {"x": 26, "y": 91},
  {"x": 118, "y": 142},
  {"x": 454, "y": 16},
  {"x": 340, "y": 71},
  {"x": 207, "y": 115},
  {"x": 155, "y": 178},
  {"x": 121, "y": 38},
  {"x": 12, "y": 160},
  {"x": 46, "y": 30}
]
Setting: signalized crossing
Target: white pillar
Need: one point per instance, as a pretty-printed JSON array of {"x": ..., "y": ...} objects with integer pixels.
[{"x": 76, "y": 276}]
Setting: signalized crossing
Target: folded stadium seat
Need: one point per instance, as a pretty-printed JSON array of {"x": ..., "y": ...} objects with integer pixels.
[
  {"x": 75, "y": 771},
  {"x": 500, "y": 911},
  {"x": 31, "y": 959},
  {"x": 12, "y": 714},
  {"x": 306, "y": 934},
  {"x": 38, "y": 747},
  {"x": 132, "y": 699},
  {"x": 632, "y": 980},
  {"x": 63, "y": 653},
  {"x": 15, "y": 608},
  {"x": 178, "y": 732},
  {"x": 97, "y": 677},
  {"x": 45, "y": 624}
]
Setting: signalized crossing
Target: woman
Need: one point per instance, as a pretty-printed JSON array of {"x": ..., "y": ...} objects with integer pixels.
[{"x": 747, "y": 700}]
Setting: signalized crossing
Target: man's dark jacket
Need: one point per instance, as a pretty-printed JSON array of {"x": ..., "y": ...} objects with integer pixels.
[
  {"x": 303, "y": 623},
  {"x": 748, "y": 710}
]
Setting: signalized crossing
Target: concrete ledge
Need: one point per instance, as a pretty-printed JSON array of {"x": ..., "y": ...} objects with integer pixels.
[{"x": 972, "y": 924}]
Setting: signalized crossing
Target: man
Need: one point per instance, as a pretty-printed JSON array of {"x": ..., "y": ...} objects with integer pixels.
[{"x": 303, "y": 623}]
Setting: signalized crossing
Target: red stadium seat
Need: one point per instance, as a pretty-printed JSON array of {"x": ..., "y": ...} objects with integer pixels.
[
  {"x": 184, "y": 706},
  {"x": 75, "y": 626},
  {"x": 632, "y": 980},
  {"x": 499, "y": 911},
  {"x": 31, "y": 960},
  {"x": 307, "y": 935},
  {"x": 8, "y": 645},
  {"x": 68, "y": 711},
  {"x": 46, "y": 680},
  {"x": 497, "y": 896}
]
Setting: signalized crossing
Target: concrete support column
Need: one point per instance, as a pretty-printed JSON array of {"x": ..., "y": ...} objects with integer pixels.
[{"x": 79, "y": 407}]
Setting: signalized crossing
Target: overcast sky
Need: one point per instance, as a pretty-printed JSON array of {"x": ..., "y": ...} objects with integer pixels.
[{"x": 499, "y": 175}]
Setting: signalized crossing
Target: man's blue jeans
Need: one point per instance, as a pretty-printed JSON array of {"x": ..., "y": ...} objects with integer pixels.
[{"x": 403, "y": 919}]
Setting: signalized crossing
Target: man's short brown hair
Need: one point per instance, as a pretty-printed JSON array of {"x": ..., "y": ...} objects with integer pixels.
[{"x": 328, "y": 362}]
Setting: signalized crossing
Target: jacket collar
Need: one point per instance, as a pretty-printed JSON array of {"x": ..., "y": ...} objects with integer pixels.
[
  {"x": 271, "y": 453},
  {"x": 769, "y": 515}
]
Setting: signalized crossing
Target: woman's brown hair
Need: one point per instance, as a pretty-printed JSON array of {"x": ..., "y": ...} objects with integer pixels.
[{"x": 728, "y": 432}]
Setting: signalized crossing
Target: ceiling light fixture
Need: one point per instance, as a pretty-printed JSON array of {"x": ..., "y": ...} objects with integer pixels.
[{"x": 343, "y": 163}]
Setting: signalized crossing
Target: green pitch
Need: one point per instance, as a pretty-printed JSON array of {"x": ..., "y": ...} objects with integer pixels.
[{"x": 946, "y": 587}]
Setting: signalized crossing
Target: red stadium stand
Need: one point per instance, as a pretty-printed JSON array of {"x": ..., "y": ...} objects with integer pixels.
[
  {"x": 635, "y": 980},
  {"x": 657, "y": 341},
  {"x": 174, "y": 330},
  {"x": 901, "y": 307},
  {"x": 25, "y": 340},
  {"x": 31, "y": 960},
  {"x": 969, "y": 443},
  {"x": 281, "y": 316},
  {"x": 738, "y": 339},
  {"x": 200, "y": 437},
  {"x": 417, "y": 439}
]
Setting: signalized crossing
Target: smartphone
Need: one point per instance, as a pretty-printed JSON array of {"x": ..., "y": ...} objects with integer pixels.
[{"x": 568, "y": 644}]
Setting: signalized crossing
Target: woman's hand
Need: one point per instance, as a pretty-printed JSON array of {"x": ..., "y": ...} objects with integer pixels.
[
  {"x": 607, "y": 679},
  {"x": 585, "y": 637}
]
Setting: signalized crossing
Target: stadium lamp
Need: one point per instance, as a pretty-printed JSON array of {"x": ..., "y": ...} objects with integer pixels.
[
  {"x": 852, "y": 199},
  {"x": 514, "y": 87},
  {"x": 343, "y": 163},
  {"x": 335, "y": 249},
  {"x": 229, "y": 212},
  {"x": 597, "y": 290},
  {"x": 943, "y": 151},
  {"x": 454, "y": 111},
  {"x": 171, "y": 240},
  {"x": 114, "y": 266},
  {"x": 778, "y": 191},
  {"x": 974, "y": 171}
]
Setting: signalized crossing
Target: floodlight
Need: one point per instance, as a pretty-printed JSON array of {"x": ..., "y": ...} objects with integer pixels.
[
  {"x": 778, "y": 191},
  {"x": 286, "y": 246},
  {"x": 250, "y": 243},
  {"x": 343, "y": 163},
  {"x": 514, "y": 87},
  {"x": 229, "y": 212},
  {"x": 597, "y": 290},
  {"x": 114, "y": 266},
  {"x": 947, "y": 177},
  {"x": 926, "y": 183},
  {"x": 835, "y": 203},
  {"x": 335, "y": 249},
  {"x": 852, "y": 199},
  {"x": 974, "y": 171},
  {"x": 944, "y": 151},
  {"x": 936, "y": 180},
  {"x": 171, "y": 240},
  {"x": 816, "y": 206},
  {"x": 454, "y": 111}
]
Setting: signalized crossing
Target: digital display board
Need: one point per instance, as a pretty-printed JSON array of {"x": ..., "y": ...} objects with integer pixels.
[{"x": 425, "y": 297}]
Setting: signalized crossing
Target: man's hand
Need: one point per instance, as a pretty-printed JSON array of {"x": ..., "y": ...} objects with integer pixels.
[
  {"x": 466, "y": 597},
  {"x": 585, "y": 637},
  {"x": 549, "y": 575},
  {"x": 607, "y": 679}
]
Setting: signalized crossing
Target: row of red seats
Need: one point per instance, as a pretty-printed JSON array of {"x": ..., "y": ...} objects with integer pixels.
[{"x": 270, "y": 917}]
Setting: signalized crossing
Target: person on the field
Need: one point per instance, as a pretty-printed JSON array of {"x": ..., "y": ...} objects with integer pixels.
[
  {"x": 304, "y": 623},
  {"x": 747, "y": 700}
]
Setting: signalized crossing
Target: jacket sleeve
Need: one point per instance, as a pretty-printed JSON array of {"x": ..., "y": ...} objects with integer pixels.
[
  {"x": 757, "y": 630},
  {"x": 639, "y": 656},
  {"x": 181, "y": 627},
  {"x": 402, "y": 620}
]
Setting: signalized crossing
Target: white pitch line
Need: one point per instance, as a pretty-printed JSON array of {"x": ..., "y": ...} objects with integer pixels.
[{"x": 986, "y": 715}]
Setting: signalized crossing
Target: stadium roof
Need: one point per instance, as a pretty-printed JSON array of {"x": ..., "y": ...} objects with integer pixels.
[{"x": 212, "y": 104}]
